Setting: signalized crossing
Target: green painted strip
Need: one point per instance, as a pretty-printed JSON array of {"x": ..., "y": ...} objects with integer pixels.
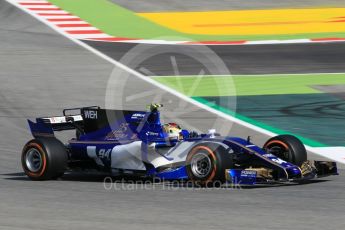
[
  {"x": 113, "y": 19},
  {"x": 306, "y": 141},
  {"x": 241, "y": 85},
  {"x": 120, "y": 22}
]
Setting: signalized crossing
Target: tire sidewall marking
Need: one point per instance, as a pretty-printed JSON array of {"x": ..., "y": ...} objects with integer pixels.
[
  {"x": 291, "y": 156},
  {"x": 214, "y": 161},
  {"x": 44, "y": 159}
]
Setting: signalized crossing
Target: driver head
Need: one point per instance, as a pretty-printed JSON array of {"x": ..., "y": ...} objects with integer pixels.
[{"x": 173, "y": 130}]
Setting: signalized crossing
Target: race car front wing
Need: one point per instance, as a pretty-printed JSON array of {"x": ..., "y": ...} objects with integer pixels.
[{"x": 253, "y": 176}]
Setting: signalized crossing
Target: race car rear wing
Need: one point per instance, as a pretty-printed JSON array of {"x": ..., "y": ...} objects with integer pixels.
[
  {"x": 93, "y": 118},
  {"x": 45, "y": 126}
]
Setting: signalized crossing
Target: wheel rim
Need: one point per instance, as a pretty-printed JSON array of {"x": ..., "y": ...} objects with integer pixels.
[
  {"x": 279, "y": 151},
  {"x": 201, "y": 164},
  {"x": 33, "y": 160}
]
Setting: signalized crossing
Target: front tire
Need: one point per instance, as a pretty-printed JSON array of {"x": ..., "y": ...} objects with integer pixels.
[
  {"x": 206, "y": 164},
  {"x": 44, "y": 158},
  {"x": 288, "y": 148}
]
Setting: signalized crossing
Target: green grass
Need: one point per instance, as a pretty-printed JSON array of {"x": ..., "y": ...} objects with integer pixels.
[
  {"x": 241, "y": 85},
  {"x": 117, "y": 21}
]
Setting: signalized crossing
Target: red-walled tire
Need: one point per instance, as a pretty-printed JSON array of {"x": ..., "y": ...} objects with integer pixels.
[
  {"x": 288, "y": 148},
  {"x": 206, "y": 164},
  {"x": 44, "y": 158}
]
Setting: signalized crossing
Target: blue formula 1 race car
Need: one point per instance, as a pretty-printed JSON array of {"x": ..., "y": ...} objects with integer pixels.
[{"x": 121, "y": 142}]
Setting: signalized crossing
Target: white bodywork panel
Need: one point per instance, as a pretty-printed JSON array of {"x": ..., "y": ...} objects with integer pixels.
[
  {"x": 91, "y": 152},
  {"x": 127, "y": 156},
  {"x": 130, "y": 157}
]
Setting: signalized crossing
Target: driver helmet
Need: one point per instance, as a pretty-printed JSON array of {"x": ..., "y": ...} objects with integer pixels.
[{"x": 173, "y": 130}]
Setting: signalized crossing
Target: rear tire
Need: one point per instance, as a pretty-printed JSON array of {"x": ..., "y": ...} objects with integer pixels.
[
  {"x": 288, "y": 148},
  {"x": 206, "y": 164},
  {"x": 44, "y": 158}
]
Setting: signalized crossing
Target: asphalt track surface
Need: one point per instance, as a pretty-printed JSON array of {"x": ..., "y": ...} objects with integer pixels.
[
  {"x": 239, "y": 59},
  {"x": 42, "y": 72},
  {"x": 205, "y": 5}
]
